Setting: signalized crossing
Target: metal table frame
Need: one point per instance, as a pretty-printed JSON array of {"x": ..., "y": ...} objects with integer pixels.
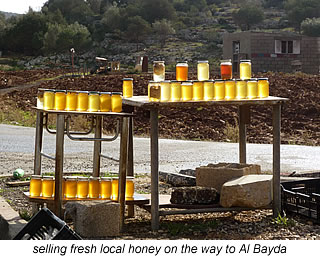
[
  {"x": 244, "y": 118},
  {"x": 62, "y": 128}
]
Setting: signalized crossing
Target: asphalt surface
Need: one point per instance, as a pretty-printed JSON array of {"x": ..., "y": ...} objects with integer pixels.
[{"x": 17, "y": 149}]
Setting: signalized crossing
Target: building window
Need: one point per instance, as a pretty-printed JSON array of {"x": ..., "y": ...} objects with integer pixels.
[{"x": 287, "y": 47}]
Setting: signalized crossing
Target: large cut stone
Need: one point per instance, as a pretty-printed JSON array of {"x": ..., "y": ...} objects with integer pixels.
[
  {"x": 215, "y": 175},
  {"x": 252, "y": 191},
  {"x": 194, "y": 195},
  {"x": 177, "y": 179},
  {"x": 93, "y": 219}
]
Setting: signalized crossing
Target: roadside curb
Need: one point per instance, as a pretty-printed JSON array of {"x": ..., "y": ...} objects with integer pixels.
[{"x": 10, "y": 221}]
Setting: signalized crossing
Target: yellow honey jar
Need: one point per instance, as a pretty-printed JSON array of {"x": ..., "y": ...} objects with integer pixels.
[
  {"x": 165, "y": 89},
  {"x": 71, "y": 187},
  {"x": 71, "y": 100},
  {"x": 105, "y": 188},
  {"x": 129, "y": 187},
  {"x": 82, "y": 101},
  {"x": 115, "y": 188},
  {"x": 127, "y": 87},
  {"x": 245, "y": 69},
  {"x": 105, "y": 101},
  {"x": 203, "y": 70},
  {"x": 219, "y": 89},
  {"x": 82, "y": 187},
  {"x": 48, "y": 99},
  {"x": 175, "y": 90},
  {"x": 93, "y": 191},
  {"x": 197, "y": 90},
  {"x": 60, "y": 100},
  {"x": 35, "y": 185},
  {"x": 186, "y": 91},
  {"x": 252, "y": 88},
  {"x": 208, "y": 90},
  {"x": 263, "y": 87},
  {"x": 241, "y": 89},
  {"x": 93, "y": 101},
  {"x": 230, "y": 89},
  {"x": 47, "y": 186},
  {"x": 154, "y": 91},
  {"x": 116, "y": 102}
]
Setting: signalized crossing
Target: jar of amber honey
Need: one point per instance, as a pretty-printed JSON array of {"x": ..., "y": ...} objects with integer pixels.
[
  {"x": 60, "y": 100},
  {"x": 116, "y": 102},
  {"x": 93, "y": 191},
  {"x": 48, "y": 99},
  {"x": 219, "y": 89},
  {"x": 182, "y": 71},
  {"x": 252, "y": 88},
  {"x": 197, "y": 90},
  {"x": 127, "y": 87},
  {"x": 82, "y": 100},
  {"x": 175, "y": 90},
  {"x": 105, "y": 101},
  {"x": 226, "y": 69},
  {"x": 230, "y": 89},
  {"x": 71, "y": 100},
  {"x": 186, "y": 91},
  {"x": 208, "y": 90},
  {"x": 203, "y": 70},
  {"x": 47, "y": 186},
  {"x": 115, "y": 188},
  {"x": 93, "y": 101},
  {"x": 35, "y": 186},
  {"x": 105, "y": 188},
  {"x": 241, "y": 89},
  {"x": 71, "y": 187},
  {"x": 82, "y": 187},
  {"x": 263, "y": 87},
  {"x": 129, "y": 187}
]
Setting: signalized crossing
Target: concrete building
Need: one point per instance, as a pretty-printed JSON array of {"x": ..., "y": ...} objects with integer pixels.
[{"x": 284, "y": 52}]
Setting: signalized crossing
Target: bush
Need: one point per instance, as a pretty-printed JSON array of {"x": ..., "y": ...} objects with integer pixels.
[{"x": 311, "y": 27}]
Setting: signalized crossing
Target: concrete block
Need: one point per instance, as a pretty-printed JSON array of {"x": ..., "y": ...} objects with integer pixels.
[
  {"x": 94, "y": 219},
  {"x": 215, "y": 175},
  {"x": 252, "y": 191}
]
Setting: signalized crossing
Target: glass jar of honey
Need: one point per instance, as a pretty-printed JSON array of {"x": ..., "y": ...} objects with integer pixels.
[
  {"x": 263, "y": 87},
  {"x": 226, "y": 69},
  {"x": 93, "y": 191},
  {"x": 40, "y": 98},
  {"x": 71, "y": 100},
  {"x": 60, "y": 100},
  {"x": 35, "y": 186},
  {"x": 154, "y": 91},
  {"x": 203, "y": 70},
  {"x": 175, "y": 90},
  {"x": 241, "y": 89},
  {"x": 105, "y": 188},
  {"x": 71, "y": 187},
  {"x": 127, "y": 87},
  {"x": 230, "y": 89},
  {"x": 197, "y": 90},
  {"x": 245, "y": 69},
  {"x": 252, "y": 88},
  {"x": 105, "y": 101},
  {"x": 93, "y": 101},
  {"x": 165, "y": 89},
  {"x": 208, "y": 90},
  {"x": 48, "y": 99},
  {"x": 115, "y": 188},
  {"x": 182, "y": 71},
  {"x": 186, "y": 91},
  {"x": 47, "y": 186},
  {"x": 159, "y": 71},
  {"x": 116, "y": 102},
  {"x": 129, "y": 187},
  {"x": 82, "y": 187},
  {"x": 82, "y": 100},
  {"x": 219, "y": 89}
]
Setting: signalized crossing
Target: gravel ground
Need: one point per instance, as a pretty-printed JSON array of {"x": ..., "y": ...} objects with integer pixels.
[{"x": 246, "y": 225}]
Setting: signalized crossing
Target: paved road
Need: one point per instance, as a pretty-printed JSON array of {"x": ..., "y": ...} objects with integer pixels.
[{"x": 17, "y": 147}]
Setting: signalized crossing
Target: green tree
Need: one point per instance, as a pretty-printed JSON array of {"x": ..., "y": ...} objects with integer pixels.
[
  {"x": 157, "y": 10},
  {"x": 247, "y": 16},
  {"x": 163, "y": 29},
  {"x": 311, "y": 27},
  {"x": 299, "y": 10},
  {"x": 112, "y": 19},
  {"x": 137, "y": 30}
]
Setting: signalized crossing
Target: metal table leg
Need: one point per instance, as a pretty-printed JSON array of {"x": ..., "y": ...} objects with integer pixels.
[
  {"x": 38, "y": 143},
  {"x": 59, "y": 165},
  {"x": 154, "y": 169},
  {"x": 276, "y": 123}
]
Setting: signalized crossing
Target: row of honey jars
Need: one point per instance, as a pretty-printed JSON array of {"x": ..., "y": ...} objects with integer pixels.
[
  {"x": 174, "y": 91},
  {"x": 80, "y": 187},
  {"x": 91, "y": 101}
]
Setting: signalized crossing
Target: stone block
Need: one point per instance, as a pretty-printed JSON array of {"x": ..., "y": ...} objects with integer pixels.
[
  {"x": 194, "y": 195},
  {"x": 94, "y": 219},
  {"x": 252, "y": 191},
  {"x": 215, "y": 175}
]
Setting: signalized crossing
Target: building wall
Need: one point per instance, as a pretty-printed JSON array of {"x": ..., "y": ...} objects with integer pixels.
[{"x": 260, "y": 48}]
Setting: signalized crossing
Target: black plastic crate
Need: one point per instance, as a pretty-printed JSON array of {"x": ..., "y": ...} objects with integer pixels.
[
  {"x": 302, "y": 197},
  {"x": 46, "y": 226}
]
